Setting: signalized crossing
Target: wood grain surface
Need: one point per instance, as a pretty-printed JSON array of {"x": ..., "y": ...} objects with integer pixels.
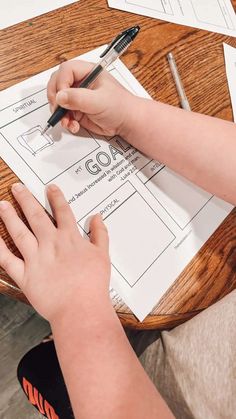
[{"x": 43, "y": 42}]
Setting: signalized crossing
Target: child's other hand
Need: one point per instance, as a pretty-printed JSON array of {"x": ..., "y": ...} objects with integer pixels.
[
  {"x": 102, "y": 109},
  {"x": 59, "y": 267}
]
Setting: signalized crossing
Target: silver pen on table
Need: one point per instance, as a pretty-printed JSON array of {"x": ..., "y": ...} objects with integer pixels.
[{"x": 178, "y": 83}]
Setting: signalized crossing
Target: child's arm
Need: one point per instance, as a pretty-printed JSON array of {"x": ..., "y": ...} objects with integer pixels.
[
  {"x": 66, "y": 279},
  {"x": 199, "y": 147}
]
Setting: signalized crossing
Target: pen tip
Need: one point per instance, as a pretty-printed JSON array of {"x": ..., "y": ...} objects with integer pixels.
[{"x": 45, "y": 129}]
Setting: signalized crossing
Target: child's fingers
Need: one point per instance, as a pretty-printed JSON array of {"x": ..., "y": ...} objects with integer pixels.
[
  {"x": 71, "y": 72},
  {"x": 70, "y": 122},
  {"x": 88, "y": 124},
  {"x": 61, "y": 210},
  {"x": 11, "y": 264},
  {"x": 85, "y": 100},
  {"x": 67, "y": 118},
  {"x": 21, "y": 235},
  {"x": 34, "y": 212},
  {"x": 52, "y": 90},
  {"x": 65, "y": 121},
  {"x": 77, "y": 115},
  {"x": 74, "y": 126},
  {"x": 99, "y": 234}
]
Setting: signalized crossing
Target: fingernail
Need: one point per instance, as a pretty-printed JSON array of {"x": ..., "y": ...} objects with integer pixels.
[
  {"x": 52, "y": 187},
  {"x": 62, "y": 97},
  {"x": 18, "y": 187},
  {"x": 4, "y": 205},
  {"x": 63, "y": 123},
  {"x": 74, "y": 127}
]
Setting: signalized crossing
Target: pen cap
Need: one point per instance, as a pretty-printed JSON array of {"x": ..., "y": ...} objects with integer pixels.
[
  {"x": 118, "y": 44},
  {"x": 128, "y": 38},
  {"x": 133, "y": 32}
]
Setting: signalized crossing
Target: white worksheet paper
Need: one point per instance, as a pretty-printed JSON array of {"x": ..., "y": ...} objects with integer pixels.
[
  {"x": 212, "y": 15},
  {"x": 157, "y": 220},
  {"x": 16, "y": 11},
  {"x": 230, "y": 65}
]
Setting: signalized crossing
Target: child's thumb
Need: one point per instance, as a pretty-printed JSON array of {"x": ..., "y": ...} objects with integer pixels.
[{"x": 79, "y": 99}]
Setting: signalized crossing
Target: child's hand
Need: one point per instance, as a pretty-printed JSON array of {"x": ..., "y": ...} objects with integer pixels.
[
  {"x": 103, "y": 108},
  {"x": 59, "y": 267}
]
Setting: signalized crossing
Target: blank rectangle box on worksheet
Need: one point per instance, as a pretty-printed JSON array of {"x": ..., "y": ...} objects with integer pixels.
[
  {"x": 179, "y": 197},
  {"x": 149, "y": 170},
  {"x": 162, "y": 6},
  {"x": 137, "y": 235},
  {"x": 203, "y": 12},
  {"x": 137, "y": 238}
]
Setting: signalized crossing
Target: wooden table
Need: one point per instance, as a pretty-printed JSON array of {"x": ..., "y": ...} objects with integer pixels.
[{"x": 43, "y": 42}]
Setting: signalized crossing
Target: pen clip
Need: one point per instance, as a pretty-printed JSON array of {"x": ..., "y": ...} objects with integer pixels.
[{"x": 114, "y": 42}]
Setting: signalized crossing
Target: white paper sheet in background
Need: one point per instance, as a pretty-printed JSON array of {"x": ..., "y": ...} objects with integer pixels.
[
  {"x": 230, "y": 65},
  {"x": 15, "y": 11},
  {"x": 157, "y": 220},
  {"x": 212, "y": 15}
]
